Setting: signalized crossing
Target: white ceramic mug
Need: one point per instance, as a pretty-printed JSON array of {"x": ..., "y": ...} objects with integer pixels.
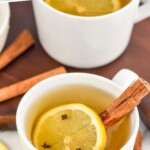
[
  {"x": 4, "y": 23},
  {"x": 86, "y": 42},
  {"x": 27, "y": 112}
]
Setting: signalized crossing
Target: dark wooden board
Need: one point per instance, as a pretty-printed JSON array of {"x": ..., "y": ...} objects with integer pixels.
[{"x": 136, "y": 57}]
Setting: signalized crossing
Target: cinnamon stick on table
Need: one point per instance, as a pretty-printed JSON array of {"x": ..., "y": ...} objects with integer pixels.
[
  {"x": 20, "y": 45},
  {"x": 138, "y": 142},
  {"x": 7, "y": 119},
  {"x": 23, "y": 86},
  {"x": 130, "y": 98}
]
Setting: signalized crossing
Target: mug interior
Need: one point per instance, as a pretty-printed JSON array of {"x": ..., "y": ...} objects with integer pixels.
[
  {"x": 32, "y": 104},
  {"x": 87, "y": 17}
]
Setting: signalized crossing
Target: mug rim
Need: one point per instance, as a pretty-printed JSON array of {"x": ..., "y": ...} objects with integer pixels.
[
  {"x": 58, "y": 77},
  {"x": 87, "y": 17}
]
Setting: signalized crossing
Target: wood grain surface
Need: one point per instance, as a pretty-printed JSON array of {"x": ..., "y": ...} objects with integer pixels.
[{"x": 136, "y": 57}]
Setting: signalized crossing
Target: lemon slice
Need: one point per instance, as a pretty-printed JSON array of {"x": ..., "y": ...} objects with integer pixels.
[
  {"x": 69, "y": 127},
  {"x": 2, "y": 146},
  {"x": 85, "y": 7}
]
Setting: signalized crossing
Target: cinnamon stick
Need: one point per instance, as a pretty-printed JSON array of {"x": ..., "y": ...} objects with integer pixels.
[
  {"x": 138, "y": 142},
  {"x": 23, "y": 86},
  {"x": 130, "y": 98},
  {"x": 20, "y": 45},
  {"x": 7, "y": 119}
]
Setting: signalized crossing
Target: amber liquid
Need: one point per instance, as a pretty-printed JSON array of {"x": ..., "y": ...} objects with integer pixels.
[
  {"x": 124, "y": 2},
  {"x": 94, "y": 98},
  {"x": 86, "y": 7}
]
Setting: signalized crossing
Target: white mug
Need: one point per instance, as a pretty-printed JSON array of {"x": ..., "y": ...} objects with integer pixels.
[
  {"x": 86, "y": 42},
  {"x": 4, "y": 23},
  {"x": 27, "y": 112}
]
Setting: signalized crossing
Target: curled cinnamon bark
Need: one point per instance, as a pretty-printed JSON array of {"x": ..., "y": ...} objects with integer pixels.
[
  {"x": 19, "y": 46},
  {"x": 130, "y": 98},
  {"x": 7, "y": 119},
  {"x": 138, "y": 142},
  {"x": 23, "y": 86}
]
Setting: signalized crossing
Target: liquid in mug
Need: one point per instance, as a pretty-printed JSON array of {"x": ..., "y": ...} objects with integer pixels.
[
  {"x": 87, "y": 7},
  {"x": 94, "y": 98}
]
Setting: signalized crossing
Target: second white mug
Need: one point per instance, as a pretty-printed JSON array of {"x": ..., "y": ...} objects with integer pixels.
[{"x": 86, "y": 42}]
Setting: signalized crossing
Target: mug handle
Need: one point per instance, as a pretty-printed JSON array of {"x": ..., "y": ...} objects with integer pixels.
[
  {"x": 143, "y": 11},
  {"x": 125, "y": 78}
]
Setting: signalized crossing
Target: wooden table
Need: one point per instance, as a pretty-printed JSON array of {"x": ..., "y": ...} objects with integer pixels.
[{"x": 136, "y": 57}]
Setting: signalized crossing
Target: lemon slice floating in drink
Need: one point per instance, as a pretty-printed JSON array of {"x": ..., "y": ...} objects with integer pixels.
[
  {"x": 85, "y": 7},
  {"x": 2, "y": 146},
  {"x": 69, "y": 127}
]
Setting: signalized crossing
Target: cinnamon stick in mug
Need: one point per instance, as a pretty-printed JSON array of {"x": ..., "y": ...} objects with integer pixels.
[
  {"x": 20, "y": 45},
  {"x": 23, "y": 86},
  {"x": 125, "y": 103}
]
